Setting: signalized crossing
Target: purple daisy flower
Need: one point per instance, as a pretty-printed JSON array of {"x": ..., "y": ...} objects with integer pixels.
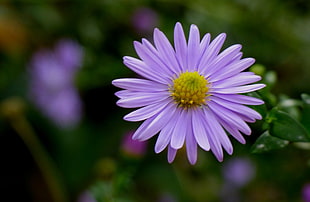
[
  {"x": 189, "y": 94},
  {"x": 51, "y": 82}
]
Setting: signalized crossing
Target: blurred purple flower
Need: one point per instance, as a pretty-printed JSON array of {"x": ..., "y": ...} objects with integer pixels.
[
  {"x": 52, "y": 88},
  {"x": 48, "y": 72},
  {"x": 167, "y": 198},
  {"x": 238, "y": 171},
  {"x": 70, "y": 54},
  {"x": 86, "y": 196},
  {"x": 306, "y": 193},
  {"x": 144, "y": 20},
  {"x": 68, "y": 104},
  {"x": 132, "y": 147}
]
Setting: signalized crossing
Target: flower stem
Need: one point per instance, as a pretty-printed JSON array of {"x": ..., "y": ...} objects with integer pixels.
[{"x": 14, "y": 113}]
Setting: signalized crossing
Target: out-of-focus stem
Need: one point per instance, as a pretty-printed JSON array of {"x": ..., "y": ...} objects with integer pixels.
[{"x": 13, "y": 110}]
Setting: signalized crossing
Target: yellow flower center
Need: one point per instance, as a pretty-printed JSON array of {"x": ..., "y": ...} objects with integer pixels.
[{"x": 189, "y": 90}]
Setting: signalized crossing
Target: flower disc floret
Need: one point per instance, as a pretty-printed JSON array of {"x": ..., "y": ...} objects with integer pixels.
[{"x": 189, "y": 90}]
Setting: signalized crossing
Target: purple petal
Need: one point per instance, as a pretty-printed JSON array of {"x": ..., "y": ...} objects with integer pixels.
[
  {"x": 238, "y": 89},
  {"x": 157, "y": 58},
  {"x": 139, "y": 85},
  {"x": 166, "y": 51},
  {"x": 199, "y": 130},
  {"x": 164, "y": 136},
  {"x": 240, "y": 109},
  {"x": 230, "y": 117},
  {"x": 130, "y": 99},
  {"x": 223, "y": 59},
  {"x": 231, "y": 130},
  {"x": 122, "y": 93},
  {"x": 191, "y": 145},
  {"x": 171, "y": 154},
  {"x": 140, "y": 68},
  {"x": 193, "y": 48},
  {"x": 247, "y": 118},
  {"x": 212, "y": 51},
  {"x": 232, "y": 69},
  {"x": 191, "y": 149},
  {"x": 180, "y": 46},
  {"x": 153, "y": 125},
  {"x": 145, "y": 112},
  {"x": 204, "y": 44},
  {"x": 242, "y": 78},
  {"x": 180, "y": 129},
  {"x": 152, "y": 61},
  {"x": 215, "y": 144},
  {"x": 219, "y": 132},
  {"x": 240, "y": 99}
]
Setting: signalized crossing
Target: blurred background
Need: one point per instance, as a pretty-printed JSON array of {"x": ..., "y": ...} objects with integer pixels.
[{"x": 62, "y": 138}]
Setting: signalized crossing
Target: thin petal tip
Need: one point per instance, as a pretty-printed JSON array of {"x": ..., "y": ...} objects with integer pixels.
[
  {"x": 115, "y": 82},
  {"x": 192, "y": 161},
  {"x": 193, "y": 26},
  {"x": 220, "y": 159},
  {"x": 222, "y": 35},
  {"x": 127, "y": 118},
  {"x": 157, "y": 150},
  {"x": 178, "y": 26},
  {"x": 230, "y": 151}
]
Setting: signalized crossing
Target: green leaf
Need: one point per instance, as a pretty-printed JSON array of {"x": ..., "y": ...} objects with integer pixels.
[
  {"x": 306, "y": 98},
  {"x": 283, "y": 126},
  {"x": 270, "y": 78},
  {"x": 305, "y": 113},
  {"x": 266, "y": 142}
]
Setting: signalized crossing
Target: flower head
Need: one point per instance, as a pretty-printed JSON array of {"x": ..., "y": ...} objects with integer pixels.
[{"x": 189, "y": 94}]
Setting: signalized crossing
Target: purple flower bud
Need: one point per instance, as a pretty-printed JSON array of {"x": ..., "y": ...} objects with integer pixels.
[
  {"x": 144, "y": 20},
  {"x": 306, "y": 193},
  {"x": 133, "y": 148}
]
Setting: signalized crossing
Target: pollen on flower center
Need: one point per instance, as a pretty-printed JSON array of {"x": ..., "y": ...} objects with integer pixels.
[{"x": 189, "y": 90}]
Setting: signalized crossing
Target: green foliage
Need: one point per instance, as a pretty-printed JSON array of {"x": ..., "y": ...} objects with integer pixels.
[
  {"x": 282, "y": 125},
  {"x": 266, "y": 142},
  {"x": 305, "y": 114},
  {"x": 286, "y": 119}
]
